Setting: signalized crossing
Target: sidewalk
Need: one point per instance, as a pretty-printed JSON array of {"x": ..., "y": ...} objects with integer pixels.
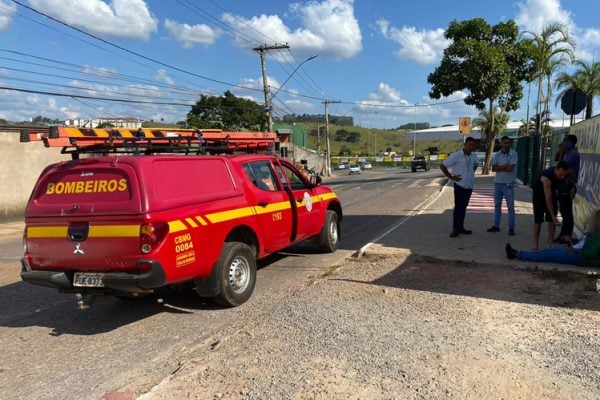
[
  {"x": 427, "y": 233},
  {"x": 11, "y": 228}
]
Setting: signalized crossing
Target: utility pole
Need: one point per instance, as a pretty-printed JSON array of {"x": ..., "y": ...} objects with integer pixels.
[
  {"x": 268, "y": 106},
  {"x": 328, "y": 158}
]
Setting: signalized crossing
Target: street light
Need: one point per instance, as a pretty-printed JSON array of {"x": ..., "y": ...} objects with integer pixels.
[{"x": 292, "y": 74}]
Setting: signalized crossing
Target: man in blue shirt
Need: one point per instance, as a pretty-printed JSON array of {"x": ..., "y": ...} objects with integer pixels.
[
  {"x": 463, "y": 164},
  {"x": 504, "y": 164}
]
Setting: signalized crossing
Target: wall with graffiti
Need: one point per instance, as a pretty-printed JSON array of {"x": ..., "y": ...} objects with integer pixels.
[{"x": 587, "y": 199}]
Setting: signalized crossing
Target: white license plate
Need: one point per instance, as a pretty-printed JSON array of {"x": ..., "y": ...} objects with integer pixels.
[{"x": 86, "y": 279}]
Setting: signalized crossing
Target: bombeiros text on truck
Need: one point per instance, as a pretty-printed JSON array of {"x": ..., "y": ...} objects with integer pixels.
[{"x": 136, "y": 210}]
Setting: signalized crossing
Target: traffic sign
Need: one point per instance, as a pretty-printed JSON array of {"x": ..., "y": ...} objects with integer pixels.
[
  {"x": 464, "y": 125},
  {"x": 573, "y": 101}
]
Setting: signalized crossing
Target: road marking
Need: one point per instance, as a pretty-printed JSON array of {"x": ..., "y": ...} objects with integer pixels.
[{"x": 421, "y": 207}]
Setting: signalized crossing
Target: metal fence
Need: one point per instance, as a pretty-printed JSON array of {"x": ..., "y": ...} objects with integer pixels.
[{"x": 528, "y": 149}]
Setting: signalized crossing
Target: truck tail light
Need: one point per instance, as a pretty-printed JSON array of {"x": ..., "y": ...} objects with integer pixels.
[{"x": 151, "y": 235}]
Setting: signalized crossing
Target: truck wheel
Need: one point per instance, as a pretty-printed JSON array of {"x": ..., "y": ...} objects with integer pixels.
[
  {"x": 237, "y": 267},
  {"x": 330, "y": 233}
]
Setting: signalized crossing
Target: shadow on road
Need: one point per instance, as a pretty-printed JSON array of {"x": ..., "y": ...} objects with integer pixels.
[
  {"x": 25, "y": 305},
  {"x": 546, "y": 288}
]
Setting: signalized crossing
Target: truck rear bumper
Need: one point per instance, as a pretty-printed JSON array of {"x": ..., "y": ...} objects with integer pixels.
[{"x": 121, "y": 281}]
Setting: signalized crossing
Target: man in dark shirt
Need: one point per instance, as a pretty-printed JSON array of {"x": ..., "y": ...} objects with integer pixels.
[
  {"x": 566, "y": 190},
  {"x": 545, "y": 201}
]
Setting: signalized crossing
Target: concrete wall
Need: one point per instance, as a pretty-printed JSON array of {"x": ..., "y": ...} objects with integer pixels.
[{"x": 20, "y": 166}]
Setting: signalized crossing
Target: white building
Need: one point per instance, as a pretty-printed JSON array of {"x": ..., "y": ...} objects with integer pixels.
[
  {"x": 116, "y": 122},
  {"x": 452, "y": 133}
]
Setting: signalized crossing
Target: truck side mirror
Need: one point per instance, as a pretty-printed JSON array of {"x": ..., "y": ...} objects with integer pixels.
[{"x": 315, "y": 180}]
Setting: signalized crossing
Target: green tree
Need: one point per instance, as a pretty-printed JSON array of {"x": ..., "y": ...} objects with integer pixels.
[
  {"x": 586, "y": 78},
  {"x": 353, "y": 137},
  {"x": 489, "y": 63},
  {"x": 227, "y": 112},
  {"x": 484, "y": 122},
  {"x": 552, "y": 47},
  {"x": 341, "y": 135}
]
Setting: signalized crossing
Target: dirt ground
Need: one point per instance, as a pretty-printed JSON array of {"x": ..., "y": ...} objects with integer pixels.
[{"x": 402, "y": 326}]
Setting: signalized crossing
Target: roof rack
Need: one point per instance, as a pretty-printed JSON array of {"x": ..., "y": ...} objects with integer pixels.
[{"x": 76, "y": 141}]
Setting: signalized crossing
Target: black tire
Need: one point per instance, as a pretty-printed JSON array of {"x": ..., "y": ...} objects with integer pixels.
[
  {"x": 330, "y": 233},
  {"x": 237, "y": 267}
]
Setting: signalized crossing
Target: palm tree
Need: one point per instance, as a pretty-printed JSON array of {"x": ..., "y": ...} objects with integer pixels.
[
  {"x": 553, "y": 47},
  {"x": 490, "y": 126},
  {"x": 586, "y": 78}
]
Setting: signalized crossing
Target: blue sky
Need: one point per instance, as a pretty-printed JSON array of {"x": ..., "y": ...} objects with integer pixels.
[{"x": 372, "y": 56}]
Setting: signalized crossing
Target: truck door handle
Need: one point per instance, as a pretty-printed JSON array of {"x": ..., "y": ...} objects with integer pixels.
[
  {"x": 263, "y": 203},
  {"x": 300, "y": 199}
]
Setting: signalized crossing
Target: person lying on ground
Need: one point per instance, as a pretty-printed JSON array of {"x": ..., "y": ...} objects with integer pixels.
[{"x": 585, "y": 253}]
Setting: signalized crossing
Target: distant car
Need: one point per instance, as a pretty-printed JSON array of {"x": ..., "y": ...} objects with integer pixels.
[
  {"x": 354, "y": 169},
  {"x": 340, "y": 166},
  {"x": 419, "y": 162},
  {"x": 366, "y": 166}
]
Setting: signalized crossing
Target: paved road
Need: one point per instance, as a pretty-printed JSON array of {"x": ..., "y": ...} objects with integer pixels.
[{"x": 49, "y": 349}]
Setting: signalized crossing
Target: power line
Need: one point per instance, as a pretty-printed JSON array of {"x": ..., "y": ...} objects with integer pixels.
[
  {"x": 133, "y": 52},
  {"x": 94, "y": 97},
  {"x": 80, "y": 69}
]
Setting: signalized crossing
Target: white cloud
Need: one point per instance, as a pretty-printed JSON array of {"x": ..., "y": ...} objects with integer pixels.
[
  {"x": 588, "y": 44},
  {"x": 191, "y": 35},
  {"x": 7, "y": 9},
  {"x": 425, "y": 46},
  {"x": 252, "y": 89},
  {"x": 329, "y": 28},
  {"x": 387, "y": 94},
  {"x": 386, "y": 100},
  {"x": 533, "y": 15},
  {"x": 163, "y": 76},
  {"x": 121, "y": 18},
  {"x": 104, "y": 72}
]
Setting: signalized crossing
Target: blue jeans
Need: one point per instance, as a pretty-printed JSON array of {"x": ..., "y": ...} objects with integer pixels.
[
  {"x": 553, "y": 254},
  {"x": 507, "y": 191}
]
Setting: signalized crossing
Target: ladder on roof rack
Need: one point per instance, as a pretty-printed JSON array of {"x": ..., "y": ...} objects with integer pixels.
[{"x": 76, "y": 141}]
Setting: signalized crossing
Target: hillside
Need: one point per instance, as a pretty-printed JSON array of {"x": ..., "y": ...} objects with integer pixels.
[{"x": 371, "y": 142}]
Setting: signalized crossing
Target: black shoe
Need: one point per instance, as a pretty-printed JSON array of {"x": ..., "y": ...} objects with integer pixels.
[
  {"x": 560, "y": 240},
  {"x": 494, "y": 229},
  {"x": 465, "y": 231},
  {"x": 453, "y": 234},
  {"x": 510, "y": 252},
  {"x": 511, "y": 232}
]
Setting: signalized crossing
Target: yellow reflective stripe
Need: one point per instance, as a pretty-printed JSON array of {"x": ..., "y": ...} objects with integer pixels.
[
  {"x": 95, "y": 231},
  {"x": 176, "y": 226},
  {"x": 191, "y": 222},
  {"x": 282, "y": 205},
  {"x": 114, "y": 231},
  {"x": 73, "y": 132},
  {"x": 327, "y": 196},
  {"x": 46, "y": 231},
  {"x": 201, "y": 220},
  {"x": 230, "y": 214}
]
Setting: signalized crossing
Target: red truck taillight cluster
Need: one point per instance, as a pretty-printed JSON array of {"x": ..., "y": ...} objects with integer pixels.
[{"x": 151, "y": 235}]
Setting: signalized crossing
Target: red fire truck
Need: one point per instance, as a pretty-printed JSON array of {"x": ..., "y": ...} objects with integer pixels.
[{"x": 136, "y": 210}]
